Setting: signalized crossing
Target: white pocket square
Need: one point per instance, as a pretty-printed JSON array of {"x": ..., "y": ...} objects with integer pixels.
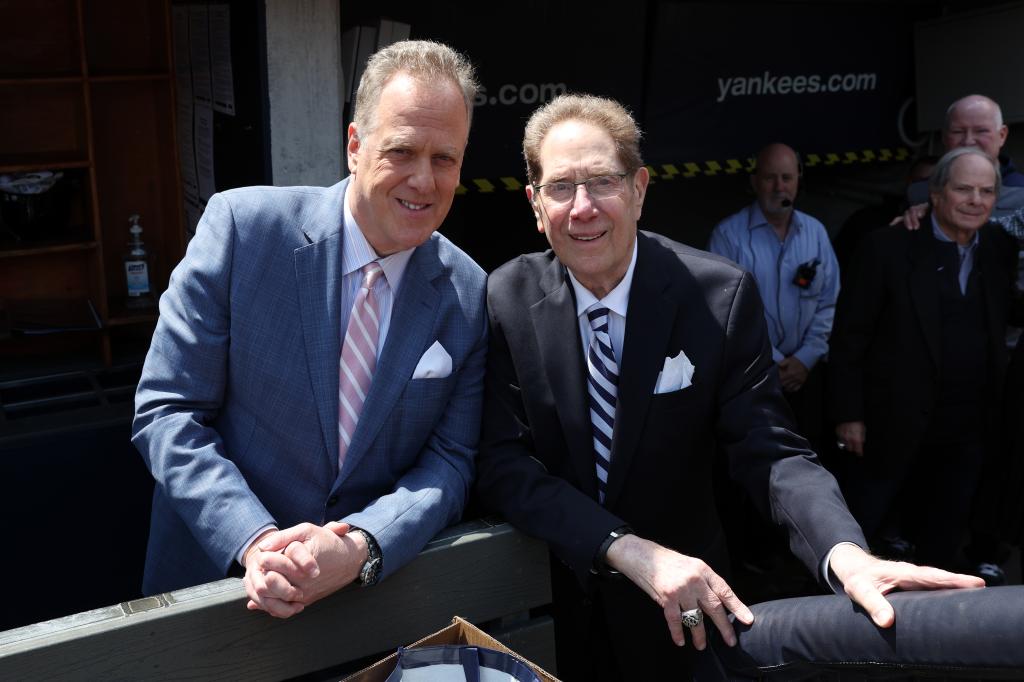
[
  {"x": 676, "y": 375},
  {"x": 435, "y": 363}
]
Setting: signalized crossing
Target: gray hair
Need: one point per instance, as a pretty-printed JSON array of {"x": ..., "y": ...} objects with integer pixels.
[
  {"x": 972, "y": 99},
  {"x": 426, "y": 61},
  {"x": 944, "y": 168},
  {"x": 602, "y": 112}
]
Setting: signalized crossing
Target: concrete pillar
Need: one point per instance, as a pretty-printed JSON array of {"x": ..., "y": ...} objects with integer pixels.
[{"x": 304, "y": 88}]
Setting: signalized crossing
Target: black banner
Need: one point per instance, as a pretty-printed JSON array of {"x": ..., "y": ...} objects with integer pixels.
[
  {"x": 825, "y": 78},
  {"x": 534, "y": 52},
  {"x": 526, "y": 54}
]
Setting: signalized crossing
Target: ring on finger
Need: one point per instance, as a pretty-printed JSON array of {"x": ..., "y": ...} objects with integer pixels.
[{"x": 692, "y": 618}]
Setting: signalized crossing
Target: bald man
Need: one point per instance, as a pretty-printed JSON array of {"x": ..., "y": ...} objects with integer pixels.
[
  {"x": 791, "y": 257},
  {"x": 977, "y": 121}
]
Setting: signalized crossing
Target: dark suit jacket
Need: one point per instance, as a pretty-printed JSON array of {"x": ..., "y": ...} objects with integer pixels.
[
  {"x": 1013, "y": 502},
  {"x": 536, "y": 463},
  {"x": 884, "y": 356}
]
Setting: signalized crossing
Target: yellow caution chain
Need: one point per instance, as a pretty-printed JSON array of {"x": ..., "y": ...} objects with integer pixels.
[{"x": 691, "y": 169}]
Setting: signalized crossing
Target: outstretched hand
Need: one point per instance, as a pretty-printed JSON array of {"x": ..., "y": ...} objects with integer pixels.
[
  {"x": 867, "y": 579},
  {"x": 679, "y": 583}
]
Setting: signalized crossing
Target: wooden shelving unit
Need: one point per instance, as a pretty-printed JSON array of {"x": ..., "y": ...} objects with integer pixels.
[{"x": 87, "y": 89}]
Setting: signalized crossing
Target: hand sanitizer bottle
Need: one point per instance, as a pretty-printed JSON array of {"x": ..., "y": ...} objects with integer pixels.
[{"x": 136, "y": 268}]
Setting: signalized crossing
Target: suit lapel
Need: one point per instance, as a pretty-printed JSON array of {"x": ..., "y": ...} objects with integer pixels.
[
  {"x": 994, "y": 288},
  {"x": 318, "y": 282},
  {"x": 557, "y": 331},
  {"x": 649, "y": 322},
  {"x": 924, "y": 288},
  {"x": 409, "y": 334}
]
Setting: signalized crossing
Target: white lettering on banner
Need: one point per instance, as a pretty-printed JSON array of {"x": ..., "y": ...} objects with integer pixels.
[
  {"x": 768, "y": 84},
  {"x": 526, "y": 93}
]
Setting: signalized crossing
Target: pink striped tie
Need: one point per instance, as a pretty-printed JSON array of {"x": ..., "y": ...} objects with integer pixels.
[{"x": 358, "y": 358}]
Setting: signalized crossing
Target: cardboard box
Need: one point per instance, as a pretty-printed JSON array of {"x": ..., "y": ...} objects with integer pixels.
[{"x": 459, "y": 632}]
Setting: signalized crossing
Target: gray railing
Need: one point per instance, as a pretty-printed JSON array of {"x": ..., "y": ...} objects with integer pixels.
[{"x": 484, "y": 572}]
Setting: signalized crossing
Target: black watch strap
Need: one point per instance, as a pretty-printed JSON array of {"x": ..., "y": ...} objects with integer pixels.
[
  {"x": 369, "y": 574},
  {"x": 600, "y": 565}
]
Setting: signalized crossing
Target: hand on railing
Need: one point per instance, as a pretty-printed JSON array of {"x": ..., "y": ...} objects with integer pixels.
[
  {"x": 290, "y": 569},
  {"x": 866, "y": 579}
]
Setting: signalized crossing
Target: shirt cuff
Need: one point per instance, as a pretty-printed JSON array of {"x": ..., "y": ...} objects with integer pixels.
[
  {"x": 240, "y": 557},
  {"x": 808, "y": 357},
  {"x": 830, "y": 578}
]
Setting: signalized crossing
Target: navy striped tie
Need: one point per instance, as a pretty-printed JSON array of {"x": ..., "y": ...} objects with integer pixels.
[{"x": 602, "y": 385}]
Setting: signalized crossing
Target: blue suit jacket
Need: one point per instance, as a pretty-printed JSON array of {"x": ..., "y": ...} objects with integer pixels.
[{"x": 237, "y": 408}]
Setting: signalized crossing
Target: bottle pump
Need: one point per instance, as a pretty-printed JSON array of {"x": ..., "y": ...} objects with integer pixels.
[{"x": 136, "y": 267}]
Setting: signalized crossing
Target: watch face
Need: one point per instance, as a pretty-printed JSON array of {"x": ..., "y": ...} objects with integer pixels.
[{"x": 370, "y": 572}]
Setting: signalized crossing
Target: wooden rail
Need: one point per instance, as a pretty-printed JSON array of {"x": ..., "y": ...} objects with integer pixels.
[{"x": 478, "y": 570}]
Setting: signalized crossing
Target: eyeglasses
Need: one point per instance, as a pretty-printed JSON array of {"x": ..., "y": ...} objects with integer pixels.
[{"x": 599, "y": 187}]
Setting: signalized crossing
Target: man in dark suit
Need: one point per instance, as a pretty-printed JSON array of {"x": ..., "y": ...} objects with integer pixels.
[
  {"x": 918, "y": 360},
  {"x": 616, "y": 361}
]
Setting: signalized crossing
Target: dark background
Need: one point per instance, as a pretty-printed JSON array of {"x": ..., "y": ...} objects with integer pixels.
[{"x": 663, "y": 60}]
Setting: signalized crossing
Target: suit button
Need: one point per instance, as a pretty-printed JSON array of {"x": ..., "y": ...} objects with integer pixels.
[{"x": 332, "y": 500}]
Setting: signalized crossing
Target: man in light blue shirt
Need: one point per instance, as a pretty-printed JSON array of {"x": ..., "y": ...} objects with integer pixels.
[{"x": 790, "y": 256}]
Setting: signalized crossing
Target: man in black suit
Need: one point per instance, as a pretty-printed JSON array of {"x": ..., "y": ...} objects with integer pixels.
[
  {"x": 917, "y": 362},
  {"x": 599, "y": 437}
]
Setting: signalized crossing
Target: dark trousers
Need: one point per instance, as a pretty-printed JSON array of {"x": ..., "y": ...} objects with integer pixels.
[
  {"x": 808, "y": 405},
  {"x": 927, "y": 500},
  {"x": 617, "y": 634}
]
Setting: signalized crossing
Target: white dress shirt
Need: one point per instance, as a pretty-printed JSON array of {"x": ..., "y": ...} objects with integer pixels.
[
  {"x": 617, "y": 302},
  {"x": 357, "y": 252}
]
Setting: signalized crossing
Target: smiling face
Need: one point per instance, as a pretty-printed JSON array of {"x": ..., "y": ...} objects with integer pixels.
[
  {"x": 776, "y": 180},
  {"x": 406, "y": 169},
  {"x": 592, "y": 237},
  {"x": 966, "y": 201},
  {"x": 975, "y": 122}
]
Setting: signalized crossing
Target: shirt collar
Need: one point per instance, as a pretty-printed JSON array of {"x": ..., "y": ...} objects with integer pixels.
[
  {"x": 755, "y": 218},
  {"x": 617, "y": 299},
  {"x": 357, "y": 252},
  {"x": 943, "y": 237}
]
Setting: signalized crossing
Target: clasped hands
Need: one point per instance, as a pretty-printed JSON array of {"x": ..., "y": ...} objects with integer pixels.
[
  {"x": 679, "y": 583},
  {"x": 793, "y": 374},
  {"x": 287, "y": 570}
]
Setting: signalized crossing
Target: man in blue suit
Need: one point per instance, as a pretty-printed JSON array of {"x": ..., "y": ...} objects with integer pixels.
[{"x": 241, "y": 409}]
